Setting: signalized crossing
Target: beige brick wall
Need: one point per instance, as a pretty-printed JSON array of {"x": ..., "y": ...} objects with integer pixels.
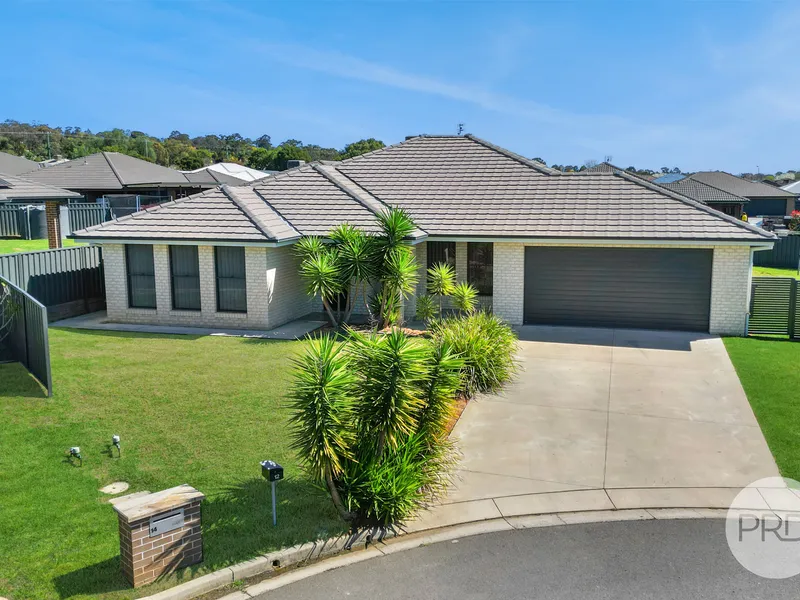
[
  {"x": 275, "y": 293},
  {"x": 730, "y": 285}
]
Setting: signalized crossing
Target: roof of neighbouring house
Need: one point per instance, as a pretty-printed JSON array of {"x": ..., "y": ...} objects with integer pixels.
[
  {"x": 702, "y": 192},
  {"x": 111, "y": 171},
  {"x": 738, "y": 186},
  {"x": 453, "y": 187},
  {"x": 12, "y": 164},
  {"x": 20, "y": 189},
  {"x": 226, "y": 172},
  {"x": 792, "y": 188}
]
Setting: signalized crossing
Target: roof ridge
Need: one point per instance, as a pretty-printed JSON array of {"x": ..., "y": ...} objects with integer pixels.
[
  {"x": 354, "y": 194},
  {"x": 113, "y": 168},
  {"x": 231, "y": 192},
  {"x": 694, "y": 203},
  {"x": 518, "y": 157}
]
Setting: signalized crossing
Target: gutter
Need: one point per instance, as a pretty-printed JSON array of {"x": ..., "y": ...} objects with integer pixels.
[
  {"x": 765, "y": 244},
  {"x": 172, "y": 242}
]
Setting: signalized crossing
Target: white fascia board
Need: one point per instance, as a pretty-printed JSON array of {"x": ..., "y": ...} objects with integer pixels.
[
  {"x": 765, "y": 245},
  {"x": 102, "y": 241}
]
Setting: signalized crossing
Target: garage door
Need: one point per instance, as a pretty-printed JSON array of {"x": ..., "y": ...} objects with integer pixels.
[{"x": 650, "y": 288}]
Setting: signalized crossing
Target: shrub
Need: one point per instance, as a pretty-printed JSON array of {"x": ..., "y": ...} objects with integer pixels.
[
  {"x": 369, "y": 421},
  {"x": 465, "y": 297},
  {"x": 487, "y": 346},
  {"x": 441, "y": 282},
  {"x": 426, "y": 308}
]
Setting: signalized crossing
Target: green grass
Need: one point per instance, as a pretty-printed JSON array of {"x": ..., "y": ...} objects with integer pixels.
[
  {"x": 202, "y": 411},
  {"x": 771, "y": 272},
  {"x": 770, "y": 374},
  {"x": 14, "y": 246}
]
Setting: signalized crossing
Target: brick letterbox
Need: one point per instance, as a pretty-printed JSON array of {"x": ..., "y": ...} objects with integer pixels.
[{"x": 159, "y": 532}]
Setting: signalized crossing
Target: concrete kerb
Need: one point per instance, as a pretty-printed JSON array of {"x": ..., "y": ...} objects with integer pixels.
[{"x": 326, "y": 555}]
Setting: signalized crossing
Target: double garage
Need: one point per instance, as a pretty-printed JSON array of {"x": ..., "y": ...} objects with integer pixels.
[{"x": 648, "y": 288}]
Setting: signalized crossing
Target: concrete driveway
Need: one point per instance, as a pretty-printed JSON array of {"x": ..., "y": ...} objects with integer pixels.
[{"x": 625, "y": 410}]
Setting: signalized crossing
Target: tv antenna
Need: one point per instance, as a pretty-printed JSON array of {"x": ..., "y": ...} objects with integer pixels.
[{"x": 460, "y": 128}]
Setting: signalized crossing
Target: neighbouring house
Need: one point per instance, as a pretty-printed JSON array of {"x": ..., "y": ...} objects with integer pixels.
[
  {"x": 668, "y": 178},
  {"x": 764, "y": 200},
  {"x": 11, "y": 164},
  {"x": 714, "y": 197},
  {"x": 793, "y": 188},
  {"x": 227, "y": 173},
  {"x": 125, "y": 181},
  {"x": 591, "y": 249},
  {"x": 21, "y": 190}
]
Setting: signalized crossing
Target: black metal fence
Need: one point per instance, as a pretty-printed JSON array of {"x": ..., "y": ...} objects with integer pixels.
[
  {"x": 68, "y": 281},
  {"x": 27, "y": 341},
  {"x": 784, "y": 255},
  {"x": 775, "y": 307}
]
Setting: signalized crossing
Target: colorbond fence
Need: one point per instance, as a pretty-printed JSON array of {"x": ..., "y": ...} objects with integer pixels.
[
  {"x": 87, "y": 214},
  {"x": 784, "y": 255},
  {"x": 775, "y": 306},
  {"x": 28, "y": 342},
  {"x": 68, "y": 281}
]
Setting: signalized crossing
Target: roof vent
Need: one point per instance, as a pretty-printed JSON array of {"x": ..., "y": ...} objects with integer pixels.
[{"x": 294, "y": 163}]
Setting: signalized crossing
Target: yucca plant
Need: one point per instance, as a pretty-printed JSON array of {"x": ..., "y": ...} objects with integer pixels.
[
  {"x": 487, "y": 345},
  {"x": 357, "y": 263},
  {"x": 441, "y": 282},
  {"x": 465, "y": 297},
  {"x": 369, "y": 421},
  {"x": 398, "y": 280},
  {"x": 322, "y": 402},
  {"x": 426, "y": 308},
  {"x": 322, "y": 275}
]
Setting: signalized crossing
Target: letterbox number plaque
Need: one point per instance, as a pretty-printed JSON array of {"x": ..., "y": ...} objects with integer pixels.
[{"x": 164, "y": 523}]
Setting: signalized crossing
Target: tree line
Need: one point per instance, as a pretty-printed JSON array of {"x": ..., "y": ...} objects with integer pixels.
[{"x": 178, "y": 150}]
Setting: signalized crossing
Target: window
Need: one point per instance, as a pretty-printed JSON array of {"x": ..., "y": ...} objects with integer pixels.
[
  {"x": 442, "y": 252},
  {"x": 231, "y": 281},
  {"x": 141, "y": 276},
  {"x": 480, "y": 258},
  {"x": 185, "y": 271}
]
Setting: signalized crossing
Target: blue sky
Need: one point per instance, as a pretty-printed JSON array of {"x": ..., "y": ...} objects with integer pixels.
[{"x": 698, "y": 85}]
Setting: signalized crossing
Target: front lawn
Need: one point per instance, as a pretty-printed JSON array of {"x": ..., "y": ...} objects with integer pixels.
[
  {"x": 770, "y": 374},
  {"x": 772, "y": 272},
  {"x": 202, "y": 411},
  {"x": 17, "y": 245}
]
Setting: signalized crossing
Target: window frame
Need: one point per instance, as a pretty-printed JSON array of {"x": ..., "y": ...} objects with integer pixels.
[
  {"x": 173, "y": 277},
  {"x": 129, "y": 248},
  {"x": 487, "y": 266},
  {"x": 217, "y": 277},
  {"x": 448, "y": 260}
]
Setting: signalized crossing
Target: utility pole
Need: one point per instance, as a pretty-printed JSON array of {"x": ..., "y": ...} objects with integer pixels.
[{"x": 49, "y": 153}]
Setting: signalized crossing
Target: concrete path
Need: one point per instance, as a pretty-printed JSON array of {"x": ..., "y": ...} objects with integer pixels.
[
  {"x": 680, "y": 560},
  {"x": 99, "y": 321},
  {"x": 603, "y": 419}
]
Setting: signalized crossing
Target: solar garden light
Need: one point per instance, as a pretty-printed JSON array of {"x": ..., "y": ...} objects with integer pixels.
[
  {"x": 75, "y": 452},
  {"x": 115, "y": 442},
  {"x": 273, "y": 473}
]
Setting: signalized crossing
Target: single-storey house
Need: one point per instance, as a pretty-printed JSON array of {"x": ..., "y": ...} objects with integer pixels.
[
  {"x": 20, "y": 190},
  {"x": 716, "y": 198},
  {"x": 764, "y": 200},
  {"x": 594, "y": 249},
  {"x": 115, "y": 174},
  {"x": 227, "y": 173}
]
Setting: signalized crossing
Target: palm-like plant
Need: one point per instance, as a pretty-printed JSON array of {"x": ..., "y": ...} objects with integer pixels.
[
  {"x": 426, "y": 308},
  {"x": 357, "y": 262},
  {"x": 322, "y": 400},
  {"x": 398, "y": 280},
  {"x": 323, "y": 278},
  {"x": 441, "y": 282},
  {"x": 391, "y": 370},
  {"x": 309, "y": 246},
  {"x": 465, "y": 297},
  {"x": 441, "y": 386}
]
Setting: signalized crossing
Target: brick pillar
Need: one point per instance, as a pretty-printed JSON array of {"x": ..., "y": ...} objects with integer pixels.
[
  {"x": 53, "y": 214},
  {"x": 159, "y": 533}
]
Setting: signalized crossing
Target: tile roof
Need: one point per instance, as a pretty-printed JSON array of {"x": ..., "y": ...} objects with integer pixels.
[
  {"x": 11, "y": 164},
  {"x": 111, "y": 171},
  {"x": 702, "y": 192},
  {"x": 21, "y": 189},
  {"x": 230, "y": 173},
  {"x": 463, "y": 187},
  {"x": 738, "y": 186}
]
